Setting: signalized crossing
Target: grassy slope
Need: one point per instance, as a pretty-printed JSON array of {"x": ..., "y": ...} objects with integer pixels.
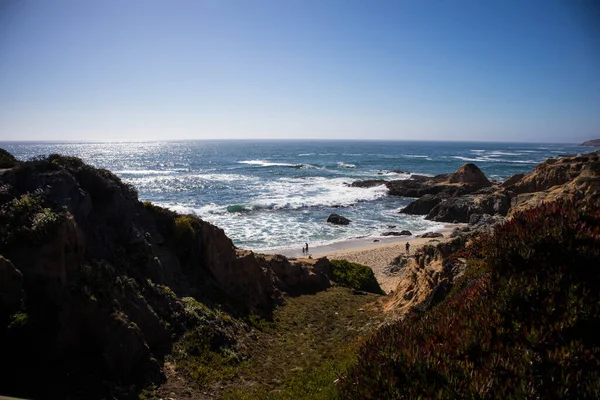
[{"x": 299, "y": 355}]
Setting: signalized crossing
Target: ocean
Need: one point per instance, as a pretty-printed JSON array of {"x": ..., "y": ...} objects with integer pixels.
[{"x": 270, "y": 195}]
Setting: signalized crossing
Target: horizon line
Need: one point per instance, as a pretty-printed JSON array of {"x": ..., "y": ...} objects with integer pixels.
[{"x": 275, "y": 140}]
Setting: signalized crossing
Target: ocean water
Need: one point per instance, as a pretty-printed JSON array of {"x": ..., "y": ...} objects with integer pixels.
[{"x": 270, "y": 195}]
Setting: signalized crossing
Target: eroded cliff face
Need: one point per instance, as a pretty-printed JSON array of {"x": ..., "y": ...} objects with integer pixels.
[
  {"x": 576, "y": 177},
  {"x": 94, "y": 283}
]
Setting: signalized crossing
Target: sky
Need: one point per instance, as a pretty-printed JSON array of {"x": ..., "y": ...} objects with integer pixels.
[{"x": 476, "y": 70}]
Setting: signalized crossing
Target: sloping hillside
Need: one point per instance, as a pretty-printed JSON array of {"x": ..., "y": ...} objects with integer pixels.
[{"x": 517, "y": 323}]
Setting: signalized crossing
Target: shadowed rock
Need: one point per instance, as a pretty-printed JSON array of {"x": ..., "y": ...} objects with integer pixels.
[{"x": 338, "y": 219}]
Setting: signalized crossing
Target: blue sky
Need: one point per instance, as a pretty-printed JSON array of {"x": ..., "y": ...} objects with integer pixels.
[{"x": 352, "y": 69}]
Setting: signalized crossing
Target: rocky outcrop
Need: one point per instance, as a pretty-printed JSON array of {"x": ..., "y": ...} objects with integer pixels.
[
  {"x": 567, "y": 177},
  {"x": 461, "y": 208},
  {"x": 424, "y": 204},
  {"x": 338, "y": 219},
  {"x": 512, "y": 180},
  {"x": 466, "y": 179},
  {"x": 431, "y": 235},
  {"x": 554, "y": 172},
  {"x": 469, "y": 174},
  {"x": 300, "y": 276},
  {"x": 394, "y": 233},
  {"x": 484, "y": 222}
]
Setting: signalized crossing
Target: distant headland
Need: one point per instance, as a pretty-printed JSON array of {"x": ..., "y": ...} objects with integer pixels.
[{"x": 593, "y": 142}]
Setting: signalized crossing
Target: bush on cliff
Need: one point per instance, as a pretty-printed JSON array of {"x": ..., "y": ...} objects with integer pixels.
[
  {"x": 521, "y": 327},
  {"x": 356, "y": 276},
  {"x": 28, "y": 217}
]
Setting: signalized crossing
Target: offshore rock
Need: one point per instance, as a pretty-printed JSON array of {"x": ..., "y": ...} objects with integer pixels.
[
  {"x": 394, "y": 233},
  {"x": 338, "y": 219}
]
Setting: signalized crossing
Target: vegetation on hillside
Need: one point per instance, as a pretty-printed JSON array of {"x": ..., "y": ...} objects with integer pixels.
[
  {"x": 356, "y": 276},
  {"x": 521, "y": 325}
]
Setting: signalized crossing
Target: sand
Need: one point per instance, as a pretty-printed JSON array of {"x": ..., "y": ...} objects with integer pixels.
[{"x": 377, "y": 255}]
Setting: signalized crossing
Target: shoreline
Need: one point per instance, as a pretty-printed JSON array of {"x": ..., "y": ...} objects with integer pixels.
[{"x": 356, "y": 244}]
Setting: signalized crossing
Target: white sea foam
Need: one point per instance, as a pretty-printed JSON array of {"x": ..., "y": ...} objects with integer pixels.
[
  {"x": 344, "y": 165},
  {"x": 264, "y": 163},
  {"x": 471, "y": 159},
  {"x": 502, "y": 153},
  {"x": 488, "y": 159},
  {"x": 294, "y": 193},
  {"x": 310, "y": 166},
  {"x": 227, "y": 177},
  {"x": 145, "y": 172}
]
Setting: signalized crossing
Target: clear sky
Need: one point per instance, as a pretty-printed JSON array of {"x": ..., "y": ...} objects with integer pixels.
[{"x": 501, "y": 70}]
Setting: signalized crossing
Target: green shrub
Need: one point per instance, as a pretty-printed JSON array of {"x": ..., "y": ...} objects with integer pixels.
[
  {"x": 204, "y": 355},
  {"x": 356, "y": 276},
  {"x": 28, "y": 217},
  {"x": 522, "y": 325}
]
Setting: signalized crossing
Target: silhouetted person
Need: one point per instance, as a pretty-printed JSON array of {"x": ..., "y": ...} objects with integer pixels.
[
  {"x": 407, "y": 248},
  {"x": 306, "y": 248}
]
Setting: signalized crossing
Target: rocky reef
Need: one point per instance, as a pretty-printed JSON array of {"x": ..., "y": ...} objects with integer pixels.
[
  {"x": 96, "y": 286},
  {"x": 459, "y": 196}
]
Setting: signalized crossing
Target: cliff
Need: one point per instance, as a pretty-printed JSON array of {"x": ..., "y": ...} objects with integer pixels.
[{"x": 96, "y": 286}]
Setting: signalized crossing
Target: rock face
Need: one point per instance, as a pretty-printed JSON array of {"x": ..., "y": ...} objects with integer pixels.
[
  {"x": 460, "y": 208},
  {"x": 300, "y": 277},
  {"x": 338, "y": 219},
  {"x": 424, "y": 204}
]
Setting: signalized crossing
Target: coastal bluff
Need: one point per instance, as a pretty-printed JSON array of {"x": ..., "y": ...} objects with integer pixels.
[
  {"x": 593, "y": 142},
  {"x": 96, "y": 287}
]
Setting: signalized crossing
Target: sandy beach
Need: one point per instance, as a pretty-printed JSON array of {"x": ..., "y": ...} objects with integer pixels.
[{"x": 377, "y": 255}]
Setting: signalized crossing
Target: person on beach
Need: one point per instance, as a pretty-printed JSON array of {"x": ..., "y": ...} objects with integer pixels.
[
  {"x": 303, "y": 250},
  {"x": 407, "y": 248},
  {"x": 306, "y": 247}
]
